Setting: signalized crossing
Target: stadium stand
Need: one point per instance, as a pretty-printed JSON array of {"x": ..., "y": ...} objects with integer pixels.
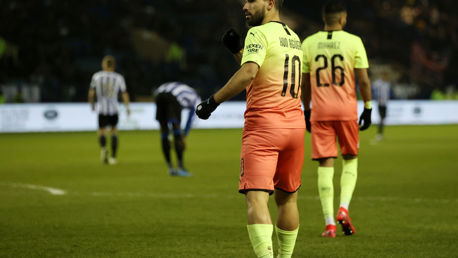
[{"x": 50, "y": 48}]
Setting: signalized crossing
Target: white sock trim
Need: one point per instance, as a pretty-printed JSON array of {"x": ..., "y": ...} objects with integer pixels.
[{"x": 330, "y": 220}]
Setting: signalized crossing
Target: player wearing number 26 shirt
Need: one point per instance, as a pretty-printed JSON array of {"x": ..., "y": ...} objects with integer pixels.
[
  {"x": 273, "y": 136},
  {"x": 331, "y": 59}
]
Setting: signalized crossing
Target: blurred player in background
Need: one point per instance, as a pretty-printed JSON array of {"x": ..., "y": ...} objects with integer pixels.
[
  {"x": 171, "y": 98},
  {"x": 331, "y": 58},
  {"x": 106, "y": 85},
  {"x": 382, "y": 93},
  {"x": 272, "y": 152}
]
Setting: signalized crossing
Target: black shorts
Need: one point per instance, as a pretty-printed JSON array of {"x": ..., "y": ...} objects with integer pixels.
[
  {"x": 382, "y": 111},
  {"x": 108, "y": 120},
  {"x": 167, "y": 108}
]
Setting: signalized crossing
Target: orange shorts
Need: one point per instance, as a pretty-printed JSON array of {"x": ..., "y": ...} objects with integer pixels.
[
  {"x": 271, "y": 159},
  {"x": 324, "y": 134}
]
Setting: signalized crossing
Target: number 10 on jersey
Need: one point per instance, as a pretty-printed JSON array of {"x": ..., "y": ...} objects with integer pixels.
[{"x": 295, "y": 76}]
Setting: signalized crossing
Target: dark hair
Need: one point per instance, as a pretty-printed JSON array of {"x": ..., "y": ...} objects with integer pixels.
[
  {"x": 331, "y": 11},
  {"x": 334, "y": 6}
]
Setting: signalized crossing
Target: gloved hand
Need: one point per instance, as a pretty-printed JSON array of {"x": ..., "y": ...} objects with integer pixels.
[
  {"x": 308, "y": 125},
  {"x": 206, "y": 107},
  {"x": 231, "y": 39},
  {"x": 365, "y": 119}
]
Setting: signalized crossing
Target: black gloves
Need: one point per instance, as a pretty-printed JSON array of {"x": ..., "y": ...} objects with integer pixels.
[
  {"x": 231, "y": 39},
  {"x": 205, "y": 108},
  {"x": 308, "y": 125},
  {"x": 365, "y": 119}
]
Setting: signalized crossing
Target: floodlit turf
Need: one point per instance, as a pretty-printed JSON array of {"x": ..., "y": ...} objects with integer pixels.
[{"x": 405, "y": 203}]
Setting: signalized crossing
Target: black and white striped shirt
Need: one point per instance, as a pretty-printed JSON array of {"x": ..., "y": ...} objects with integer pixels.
[
  {"x": 107, "y": 86},
  {"x": 186, "y": 96},
  {"x": 382, "y": 91}
]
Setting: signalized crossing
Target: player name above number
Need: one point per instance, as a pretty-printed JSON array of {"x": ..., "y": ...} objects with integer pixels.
[
  {"x": 290, "y": 43},
  {"x": 329, "y": 45}
]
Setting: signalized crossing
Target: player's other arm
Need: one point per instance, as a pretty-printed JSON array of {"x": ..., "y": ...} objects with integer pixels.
[
  {"x": 124, "y": 94},
  {"x": 364, "y": 84},
  {"x": 91, "y": 93},
  {"x": 189, "y": 121},
  {"x": 306, "y": 97},
  {"x": 91, "y": 98},
  {"x": 306, "y": 88},
  {"x": 126, "y": 100},
  {"x": 365, "y": 90},
  {"x": 236, "y": 84}
]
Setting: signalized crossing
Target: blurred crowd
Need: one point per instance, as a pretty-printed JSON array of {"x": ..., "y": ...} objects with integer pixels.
[{"x": 50, "y": 48}]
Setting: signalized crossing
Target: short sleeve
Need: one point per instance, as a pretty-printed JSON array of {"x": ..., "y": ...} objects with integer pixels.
[
  {"x": 305, "y": 59},
  {"x": 122, "y": 84},
  {"x": 255, "y": 47},
  {"x": 360, "y": 55},
  {"x": 93, "y": 82}
]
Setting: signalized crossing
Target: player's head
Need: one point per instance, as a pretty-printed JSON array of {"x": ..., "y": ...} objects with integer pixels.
[
  {"x": 334, "y": 13},
  {"x": 385, "y": 75},
  {"x": 108, "y": 63},
  {"x": 256, "y": 10}
]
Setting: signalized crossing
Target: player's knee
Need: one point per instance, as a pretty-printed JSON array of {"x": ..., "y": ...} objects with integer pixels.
[
  {"x": 101, "y": 132},
  {"x": 165, "y": 135},
  {"x": 349, "y": 156},
  {"x": 175, "y": 126},
  {"x": 257, "y": 198},
  {"x": 179, "y": 145},
  {"x": 284, "y": 198},
  {"x": 326, "y": 162}
]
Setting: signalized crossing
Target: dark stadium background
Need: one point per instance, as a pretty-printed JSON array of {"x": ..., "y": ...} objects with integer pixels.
[
  {"x": 57, "y": 199},
  {"x": 50, "y": 48}
]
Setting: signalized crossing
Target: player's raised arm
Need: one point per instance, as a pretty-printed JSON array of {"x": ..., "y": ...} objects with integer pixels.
[
  {"x": 233, "y": 42},
  {"x": 238, "y": 56},
  {"x": 365, "y": 90},
  {"x": 238, "y": 82}
]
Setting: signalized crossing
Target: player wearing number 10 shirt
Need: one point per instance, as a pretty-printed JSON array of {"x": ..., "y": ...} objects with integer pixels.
[
  {"x": 273, "y": 136},
  {"x": 331, "y": 58},
  {"x": 272, "y": 144}
]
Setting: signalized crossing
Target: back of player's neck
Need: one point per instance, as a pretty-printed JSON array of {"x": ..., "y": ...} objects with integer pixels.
[
  {"x": 272, "y": 18},
  {"x": 332, "y": 28}
]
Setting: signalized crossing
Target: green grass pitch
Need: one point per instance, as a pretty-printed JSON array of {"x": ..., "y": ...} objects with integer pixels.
[{"x": 405, "y": 203}]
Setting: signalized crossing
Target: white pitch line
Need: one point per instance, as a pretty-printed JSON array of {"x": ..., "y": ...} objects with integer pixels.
[
  {"x": 235, "y": 195},
  {"x": 56, "y": 191},
  {"x": 152, "y": 195},
  {"x": 51, "y": 190}
]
